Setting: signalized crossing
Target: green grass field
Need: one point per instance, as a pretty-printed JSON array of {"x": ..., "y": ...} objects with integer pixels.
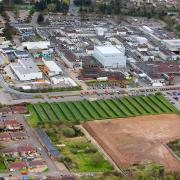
[
  {"x": 79, "y": 155},
  {"x": 81, "y": 111},
  {"x": 2, "y": 165},
  {"x": 84, "y": 162}
]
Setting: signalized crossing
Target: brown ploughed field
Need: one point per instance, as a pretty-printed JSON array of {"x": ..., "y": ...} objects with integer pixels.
[{"x": 131, "y": 140}]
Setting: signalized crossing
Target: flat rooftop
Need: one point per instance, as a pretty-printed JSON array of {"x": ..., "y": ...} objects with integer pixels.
[
  {"x": 25, "y": 66},
  {"x": 157, "y": 68},
  {"x": 173, "y": 42},
  {"x": 52, "y": 66},
  {"x": 108, "y": 49},
  {"x": 36, "y": 45}
]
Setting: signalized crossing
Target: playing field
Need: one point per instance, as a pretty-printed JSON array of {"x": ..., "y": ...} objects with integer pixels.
[
  {"x": 134, "y": 139},
  {"x": 81, "y": 111}
]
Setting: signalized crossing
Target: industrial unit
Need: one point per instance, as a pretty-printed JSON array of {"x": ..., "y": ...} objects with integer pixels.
[
  {"x": 36, "y": 45},
  {"x": 110, "y": 56},
  {"x": 26, "y": 70},
  {"x": 53, "y": 68},
  {"x": 172, "y": 44}
]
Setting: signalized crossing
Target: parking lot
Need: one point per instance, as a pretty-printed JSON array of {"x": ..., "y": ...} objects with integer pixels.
[{"x": 174, "y": 98}]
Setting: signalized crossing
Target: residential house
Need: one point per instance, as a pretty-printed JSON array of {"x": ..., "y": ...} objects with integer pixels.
[
  {"x": 18, "y": 135},
  {"x": 37, "y": 166},
  {"x": 1, "y": 126},
  {"x": 10, "y": 152},
  {"x": 12, "y": 125},
  {"x": 14, "y": 166},
  {"x": 122, "y": 31},
  {"x": 27, "y": 150},
  {"x": 5, "y": 111},
  {"x": 19, "y": 109},
  {"x": 5, "y": 136}
]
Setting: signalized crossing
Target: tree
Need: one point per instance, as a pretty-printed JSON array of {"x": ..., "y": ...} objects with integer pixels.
[
  {"x": 51, "y": 7},
  {"x": 8, "y": 31},
  {"x": 82, "y": 2},
  {"x": 96, "y": 160},
  {"x": 17, "y": 1},
  {"x": 1, "y": 7},
  {"x": 69, "y": 132},
  {"x": 40, "y": 18},
  {"x": 31, "y": 12},
  {"x": 41, "y": 5},
  {"x": 178, "y": 27},
  {"x": 58, "y": 6}
]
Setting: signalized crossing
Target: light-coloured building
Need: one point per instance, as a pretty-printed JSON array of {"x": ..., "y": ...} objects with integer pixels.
[
  {"x": 110, "y": 56},
  {"x": 21, "y": 54},
  {"x": 26, "y": 70},
  {"x": 53, "y": 68},
  {"x": 172, "y": 44},
  {"x": 100, "y": 31},
  {"x": 3, "y": 59},
  {"x": 141, "y": 40},
  {"x": 147, "y": 30},
  {"x": 122, "y": 31},
  {"x": 36, "y": 45},
  {"x": 64, "y": 81}
]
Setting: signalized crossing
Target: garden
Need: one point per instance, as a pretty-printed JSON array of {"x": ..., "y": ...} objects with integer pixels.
[{"x": 78, "y": 154}]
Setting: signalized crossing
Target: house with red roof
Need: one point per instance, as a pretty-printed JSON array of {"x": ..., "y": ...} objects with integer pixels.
[
  {"x": 27, "y": 150},
  {"x": 5, "y": 136},
  {"x": 5, "y": 111},
  {"x": 10, "y": 152},
  {"x": 18, "y": 135},
  {"x": 14, "y": 166},
  {"x": 12, "y": 125},
  {"x": 19, "y": 109},
  {"x": 37, "y": 166}
]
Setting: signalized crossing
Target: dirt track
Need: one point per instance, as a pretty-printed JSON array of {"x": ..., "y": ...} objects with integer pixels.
[{"x": 135, "y": 139}]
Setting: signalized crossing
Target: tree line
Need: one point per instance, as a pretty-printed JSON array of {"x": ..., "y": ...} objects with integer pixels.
[
  {"x": 120, "y": 7},
  {"x": 52, "y": 5}
]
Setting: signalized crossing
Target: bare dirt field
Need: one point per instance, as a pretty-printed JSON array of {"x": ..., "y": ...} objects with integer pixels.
[{"x": 131, "y": 140}]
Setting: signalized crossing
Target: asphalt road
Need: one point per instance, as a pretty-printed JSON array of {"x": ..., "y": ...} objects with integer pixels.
[{"x": 22, "y": 97}]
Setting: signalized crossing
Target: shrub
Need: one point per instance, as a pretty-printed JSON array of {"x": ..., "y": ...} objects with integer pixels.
[
  {"x": 158, "y": 93},
  {"x": 69, "y": 132},
  {"x": 65, "y": 159},
  {"x": 74, "y": 150},
  {"x": 96, "y": 160},
  {"x": 78, "y": 131},
  {"x": 90, "y": 150}
]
